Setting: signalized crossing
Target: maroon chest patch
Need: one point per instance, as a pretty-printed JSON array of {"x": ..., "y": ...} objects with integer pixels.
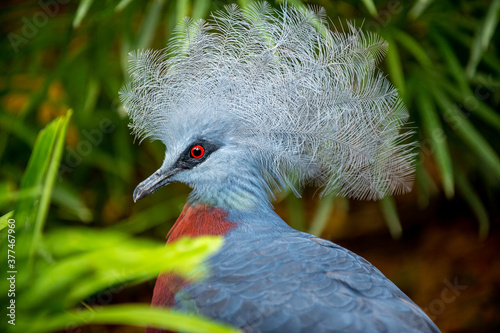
[
  {"x": 200, "y": 220},
  {"x": 194, "y": 221}
]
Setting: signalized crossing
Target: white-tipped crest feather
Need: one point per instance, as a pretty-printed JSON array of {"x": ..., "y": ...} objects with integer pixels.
[{"x": 306, "y": 101}]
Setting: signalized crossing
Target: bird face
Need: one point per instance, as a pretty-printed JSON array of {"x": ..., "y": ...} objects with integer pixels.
[
  {"x": 222, "y": 171},
  {"x": 181, "y": 166}
]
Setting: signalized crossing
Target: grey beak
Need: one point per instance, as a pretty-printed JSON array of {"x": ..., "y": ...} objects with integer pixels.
[{"x": 154, "y": 182}]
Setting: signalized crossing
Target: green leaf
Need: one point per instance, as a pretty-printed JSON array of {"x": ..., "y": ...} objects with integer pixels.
[
  {"x": 35, "y": 171},
  {"x": 31, "y": 210},
  {"x": 296, "y": 212},
  {"x": 200, "y": 9},
  {"x": 393, "y": 62},
  {"x": 93, "y": 89},
  {"x": 110, "y": 164},
  {"x": 418, "y": 8},
  {"x": 50, "y": 179},
  {"x": 322, "y": 213},
  {"x": 28, "y": 193},
  {"x": 469, "y": 134},
  {"x": 412, "y": 46},
  {"x": 94, "y": 262},
  {"x": 483, "y": 37},
  {"x": 151, "y": 217},
  {"x": 244, "y": 3},
  {"x": 81, "y": 12},
  {"x": 370, "y": 6},
  {"x": 489, "y": 58},
  {"x": 475, "y": 204},
  {"x": 122, "y": 5},
  {"x": 4, "y": 220},
  {"x": 437, "y": 140},
  {"x": 464, "y": 95},
  {"x": 71, "y": 202},
  {"x": 149, "y": 24},
  {"x": 181, "y": 9},
  {"x": 491, "y": 22},
  {"x": 127, "y": 314},
  {"x": 17, "y": 127},
  {"x": 425, "y": 185},
  {"x": 453, "y": 64},
  {"x": 474, "y": 104},
  {"x": 388, "y": 208}
]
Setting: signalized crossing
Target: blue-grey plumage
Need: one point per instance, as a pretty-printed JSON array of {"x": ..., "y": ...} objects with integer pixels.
[
  {"x": 253, "y": 102},
  {"x": 271, "y": 278}
]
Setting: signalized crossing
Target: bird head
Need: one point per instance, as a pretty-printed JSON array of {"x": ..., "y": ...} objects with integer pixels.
[
  {"x": 257, "y": 100},
  {"x": 209, "y": 159}
]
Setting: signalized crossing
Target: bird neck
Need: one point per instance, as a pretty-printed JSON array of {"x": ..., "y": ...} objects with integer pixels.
[
  {"x": 200, "y": 220},
  {"x": 241, "y": 190}
]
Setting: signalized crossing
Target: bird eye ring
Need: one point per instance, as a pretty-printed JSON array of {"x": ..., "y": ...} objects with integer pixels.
[{"x": 197, "y": 151}]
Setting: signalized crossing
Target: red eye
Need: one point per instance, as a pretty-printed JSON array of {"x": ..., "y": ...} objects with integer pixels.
[{"x": 197, "y": 151}]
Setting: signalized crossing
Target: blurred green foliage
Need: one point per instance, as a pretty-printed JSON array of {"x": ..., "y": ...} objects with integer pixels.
[
  {"x": 443, "y": 57},
  {"x": 50, "y": 273}
]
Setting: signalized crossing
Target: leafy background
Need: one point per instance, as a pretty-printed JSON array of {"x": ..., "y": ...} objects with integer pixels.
[{"x": 72, "y": 221}]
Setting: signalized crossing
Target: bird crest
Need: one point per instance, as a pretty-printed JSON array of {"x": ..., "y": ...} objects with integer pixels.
[{"x": 307, "y": 103}]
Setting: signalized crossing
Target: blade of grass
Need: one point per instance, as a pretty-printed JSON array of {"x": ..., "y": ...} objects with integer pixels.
[
  {"x": 438, "y": 140},
  {"x": 483, "y": 37},
  {"x": 181, "y": 9},
  {"x": 122, "y": 5},
  {"x": 410, "y": 44},
  {"x": 50, "y": 179},
  {"x": 128, "y": 314},
  {"x": 151, "y": 217},
  {"x": 453, "y": 64},
  {"x": 17, "y": 127},
  {"x": 489, "y": 58},
  {"x": 491, "y": 22},
  {"x": 92, "y": 93},
  {"x": 4, "y": 220},
  {"x": 200, "y": 9},
  {"x": 27, "y": 193},
  {"x": 244, "y": 3},
  {"x": 69, "y": 200},
  {"x": 81, "y": 12},
  {"x": 475, "y": 204},
  {"x": 77, "y": 240},
  {"x": 25, "y": 209},
  {"x": 481, "y": 109},
  {"x": 425, "y": 184},
  {"x": 322, "y": 213},
  {"x": 468, "y": 133},
  {"x": 125, "y": 48},
  {"x": 35, "y": 171},
  {"x": 370, "y": 6},
  {"x": 388, "y": 208},
  {"x": 83, "y": 270},
  {"x": 149, "y": 24},
  {"x": 465, "y": 91},
  {"x": 393, "y": 63},
  {"x": 418, "y": 8},
  {"x": 296, "y": 212},
  {"x": 109, "y": 163}
]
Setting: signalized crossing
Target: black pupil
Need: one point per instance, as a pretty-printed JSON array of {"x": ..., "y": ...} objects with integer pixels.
[{"x": 196, "y": 152}]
